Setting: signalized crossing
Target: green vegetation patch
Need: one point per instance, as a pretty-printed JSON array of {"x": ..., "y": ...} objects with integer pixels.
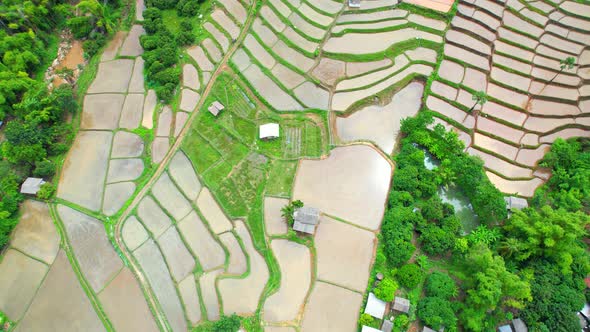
[{"x": 281, "y": 177}]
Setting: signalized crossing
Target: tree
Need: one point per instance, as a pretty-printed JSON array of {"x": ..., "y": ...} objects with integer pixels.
[
  {"x": 46, "y": 191},
  {"x": 227, "y": 324},
  {"x": 386, "y": 289},
  {"x": 569, "y": 185},
  {"x": 480, "y": 98},
  {"x": 436, "y": 312},
  {"x": 401, "y": 321},
  {"x": 547, "y": 233},
  {"x": 366, "y": 320},
  {"x": 567, "y": 63},
  {"x": 410, "y": 275},
  {"x": 397, "y": 231},
  {"x": 556, "y": 298},
  {"x": 490, "y": 288},
  {"x": 439, "y": 284},
  {"x": 44, "y": 168}
]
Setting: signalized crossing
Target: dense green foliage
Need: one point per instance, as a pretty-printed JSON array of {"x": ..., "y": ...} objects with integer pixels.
[
  {"x": 457, "y": 166},
  {"x": 441, "y": 285},
  {"x": 162, "y": 47},
  {"x": 224, "y": 324},
  {"x": 490, "y": 289},
  {"x": 410, "y": 275},
  {"x": 569, "y": 185},
  {"x": 386, "y": 289},
  {"x": 92, "y": 21},
  {"x": 530, "y": 265},
  {"x": 35, "y": 131},
  {"x": 437, "y": 312}
]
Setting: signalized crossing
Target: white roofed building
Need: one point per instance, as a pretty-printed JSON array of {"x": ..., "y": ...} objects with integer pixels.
[
  {"x": 375, "y": 307},
  {"x": 215, "y": 108},
  {"x": 269, "y": 131},
  {"x": 31, "y": 186}
]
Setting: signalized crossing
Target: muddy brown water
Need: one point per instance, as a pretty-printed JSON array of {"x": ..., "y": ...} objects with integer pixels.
[{"x": 74, "y": 57}]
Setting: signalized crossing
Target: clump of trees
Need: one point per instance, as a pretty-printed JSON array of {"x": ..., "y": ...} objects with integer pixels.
[
  {"x": 35, "y": 131},
  {"x": 530, "y": 265},
  {"x": 162, "y": 47},
  {"x": 93, "y": 21}
]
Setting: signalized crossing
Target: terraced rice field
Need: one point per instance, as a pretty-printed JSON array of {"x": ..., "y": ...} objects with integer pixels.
[{"x": 170, "y": 217}]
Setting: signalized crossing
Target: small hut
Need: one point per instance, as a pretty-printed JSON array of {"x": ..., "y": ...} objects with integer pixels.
[
  {"x": 387, "y": 326},
  {"x": 215, "y": 108},
  {"x": 505, "y": 328},
  {"x": 519, "y": 325},
  {"x": 269, "y": 131},
  {"x": 402, "y": 305},
  {"x": 305, "y": 219},
  {"x": 369, "y": 329},
  {"x": 375, "y": 307},
  {"x": 515, "y": 203},
  {"x": 31, "y": 186},
  {"x": 354, "y": 3}
]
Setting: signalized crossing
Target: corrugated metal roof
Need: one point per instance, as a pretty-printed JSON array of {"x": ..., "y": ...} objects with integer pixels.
[
  {"x": 375, "y": 307},
  {"x": 31, "y": 186},
  {"x": 307, "y": 215}
]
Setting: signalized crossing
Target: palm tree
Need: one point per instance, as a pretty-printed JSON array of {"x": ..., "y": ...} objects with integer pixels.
[
  {"x": 103, "y": 17},
  {"x": 510, "y": 247}
]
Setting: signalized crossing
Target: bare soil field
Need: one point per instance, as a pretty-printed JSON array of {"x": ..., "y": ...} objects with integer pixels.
[
  {"x": 60, "y": 303},
  {"x": 355, "y": 189}
]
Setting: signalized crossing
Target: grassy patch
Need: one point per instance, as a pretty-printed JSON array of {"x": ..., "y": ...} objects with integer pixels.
[
  {"x": 171, "y": 20},
  {"x": 199, "y": 151},
  {"x": 281, "y": 177}
]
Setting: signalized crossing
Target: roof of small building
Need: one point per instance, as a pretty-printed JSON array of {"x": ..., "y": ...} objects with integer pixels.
[
  {"x": 369, "y": 329},
  {"x": 269, "y": 130},
  {"x": 427, "y": 329},
  {"x": 375, "y": 307},
  {"x": 387, "y": 326},
  {"x": 354, "y": 3},
  {"x": 400, "y": 304},
  {"x": 215, "y": 108},
  {"x": 515, "y": 203},
  {"x": 31, "y": 186},
  {"x": 305, "y": 228},
  {"x": 218, "y": 105},
  {"x": 505, "y": 328},
  {"x": 519, "y": 325},
  {"x": 307, "y": 215}
]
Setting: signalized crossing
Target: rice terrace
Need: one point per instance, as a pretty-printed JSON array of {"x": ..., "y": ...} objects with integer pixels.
[{"x": 295, "y": 165}]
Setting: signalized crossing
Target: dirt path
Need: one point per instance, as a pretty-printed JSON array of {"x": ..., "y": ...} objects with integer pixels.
[{"x": 160, "y": 317}]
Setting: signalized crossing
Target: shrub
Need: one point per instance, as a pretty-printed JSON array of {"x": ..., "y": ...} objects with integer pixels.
[
  {"x": 439, "y": 284},
  {"x": 161, "y": 4},
  {"x": 46, "y": 191},
  {"x": 81, "y": 26},
  {"x": 435, "y": 240},
  {"x": 410, "y": 275},
  {"x": 185, "y": 38},
  {"x": 44, "y": 168},
  {"x": 227, "y": 324},
  {"x": 92, "y": 46},
  {"x": 436, "y": 312},
  {"x": 165, "y": 92},
  {"x": 366, "y": 319},
  {"x": 401, "y": 321},
  {"x": 386, "y": 289},
  {"x": 187, "y": 7}
]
